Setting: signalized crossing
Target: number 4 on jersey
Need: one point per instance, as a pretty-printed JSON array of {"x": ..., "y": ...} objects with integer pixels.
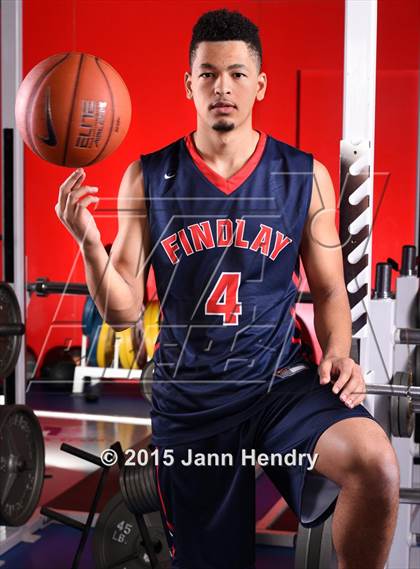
[{"x": 223, "y": 299}]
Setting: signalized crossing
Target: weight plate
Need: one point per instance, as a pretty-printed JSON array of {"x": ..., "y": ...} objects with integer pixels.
[
  {"x": 402, "y": 417},
  {"x": 105, "y": 351},
  {"x": 89, "y": 312},
  {"x": 117, "y": 542},
  {"x": 327, "y": 555},
  {"x": 22, "y": 459},
  {"x": 151, "y": 326},
  {"x": 139, "y": 344},
  {"x": 416, "y": 373},
  {"x": 395, "y": 410},
  {"x": 146, "y": 380},
  {"x": 314, "y": 547},
  {"x": 93, "y": 341},
  {"x": 418, "y": 309},
  {"x": 308, "y": 545},
  {"x": 9, "y": 314},
  {"x": 126, "y": 350}
]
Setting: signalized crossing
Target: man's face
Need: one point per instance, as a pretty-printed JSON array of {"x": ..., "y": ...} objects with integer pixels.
[{"x": 224, "y": 83}]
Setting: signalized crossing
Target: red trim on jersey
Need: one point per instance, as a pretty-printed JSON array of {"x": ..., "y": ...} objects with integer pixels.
[
  {"x": 168, "y": 523},
  {"x": 227, "y": 186},
  {"x": 295, "y": 339},
  {"x": 295, "y": 279}
]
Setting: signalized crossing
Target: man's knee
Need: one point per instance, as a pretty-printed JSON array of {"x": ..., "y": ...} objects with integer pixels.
[
  {"x": 374, "y": 465},
  {"x": 358, "y": 451}
]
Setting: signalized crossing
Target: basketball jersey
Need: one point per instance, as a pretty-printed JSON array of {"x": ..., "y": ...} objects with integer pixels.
[{"x": 225, "y": 254}]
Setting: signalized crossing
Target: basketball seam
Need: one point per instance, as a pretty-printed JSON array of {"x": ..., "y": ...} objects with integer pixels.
[
  {"x": 31, "y": 102},
  {"x": 112, "y": 116},
  {"x": 72, "y": 107}
]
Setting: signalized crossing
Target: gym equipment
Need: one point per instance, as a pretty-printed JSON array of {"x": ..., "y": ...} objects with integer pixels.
[
  {"x": 139, "y": 487},
  {"x": 22, "y": 453},
  {"x": 11, "y": 329},
  {"x": 22, "y": 459},
  {"x": 132, "y": 349},
  {"x": 401, "y": 408},
  {"x": 88, "y": 316},
  {"x": 121, "y": 539},
  {"x": 117, "y": 542},
  {"x": 58, "y": 366},
  {"x": 91, "y": 324},
  {"x": 151, "y": 326},
  {"x": 105, "y": 350},
  {"x": 88, "y": 109},
  {"x": 146, "y": 380},
  {"x": 31, "y": 361},
  {"x": 93, "y": 338},
  {"x": 43, "y": 287},
  {"x": 84, "y": 528},
  {"x": 314, "y": 547}
]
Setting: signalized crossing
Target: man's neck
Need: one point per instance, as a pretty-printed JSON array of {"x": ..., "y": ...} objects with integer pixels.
[{"x": 225, "y": 152}]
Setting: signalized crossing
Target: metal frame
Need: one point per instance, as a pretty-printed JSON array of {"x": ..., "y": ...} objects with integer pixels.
[
  {"x": 11, "y": 77},
  {"x": 359, "y": 129}
]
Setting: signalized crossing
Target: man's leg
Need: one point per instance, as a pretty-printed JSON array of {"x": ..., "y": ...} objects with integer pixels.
[
  {"x": 357, "y": 455},
  {"x": 210, "y": 510}
]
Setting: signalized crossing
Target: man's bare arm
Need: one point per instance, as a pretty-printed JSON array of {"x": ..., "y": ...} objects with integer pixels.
[
  {"x": 322, "y": 259},
  {"x": 117, "y": 283}
]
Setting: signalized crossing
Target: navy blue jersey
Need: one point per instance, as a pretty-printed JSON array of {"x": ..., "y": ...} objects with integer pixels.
[{"x": 226, "y": 259}]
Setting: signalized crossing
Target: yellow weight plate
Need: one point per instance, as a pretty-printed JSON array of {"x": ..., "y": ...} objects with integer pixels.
[
  {"x": 105, "y": 349},
  {"x": 139, "y": 343},
  {"x": 151, "y": 326},
  {"x": 126, "y": 351}
]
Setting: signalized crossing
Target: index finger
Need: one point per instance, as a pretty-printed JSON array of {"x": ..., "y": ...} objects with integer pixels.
[
  {"x": 344, "y": 376},
  {"x": 73, "y": 182}
]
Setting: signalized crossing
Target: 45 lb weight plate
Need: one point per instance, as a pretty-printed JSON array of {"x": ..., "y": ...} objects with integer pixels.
[
  {"x": 22, "y": 460},
  {"x": 117, "y": 542}
]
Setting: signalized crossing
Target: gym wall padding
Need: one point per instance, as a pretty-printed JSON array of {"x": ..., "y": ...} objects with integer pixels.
[{"x": 147, "y": 42}]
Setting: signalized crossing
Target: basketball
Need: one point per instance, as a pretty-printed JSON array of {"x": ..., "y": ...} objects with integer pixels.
[{"x": 73, "y": 109}]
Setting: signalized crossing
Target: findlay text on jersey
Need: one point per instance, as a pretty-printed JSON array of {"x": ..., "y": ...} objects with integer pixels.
[{"x": 202, "y": 236}]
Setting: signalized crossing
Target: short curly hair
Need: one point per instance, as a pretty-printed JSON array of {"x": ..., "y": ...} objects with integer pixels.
[{"x": 224, "y": 25}]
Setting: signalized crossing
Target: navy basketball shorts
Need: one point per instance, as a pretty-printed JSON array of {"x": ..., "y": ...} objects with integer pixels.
[{"x": 208, "y": 493}]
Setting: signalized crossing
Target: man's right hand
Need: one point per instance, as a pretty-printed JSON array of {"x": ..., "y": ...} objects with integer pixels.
[{"x": 72, "y": 211}]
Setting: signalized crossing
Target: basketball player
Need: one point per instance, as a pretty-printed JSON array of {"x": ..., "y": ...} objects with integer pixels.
[{"x": 223, "y": 214}]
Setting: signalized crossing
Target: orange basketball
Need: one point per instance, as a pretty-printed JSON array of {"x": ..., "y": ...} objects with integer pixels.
[{"x": 73, "y": 109}]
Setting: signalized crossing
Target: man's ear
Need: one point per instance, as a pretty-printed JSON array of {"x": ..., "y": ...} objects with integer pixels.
[
  {"x": 187, "y": 82},
  {"x": 262, "y": 86}
]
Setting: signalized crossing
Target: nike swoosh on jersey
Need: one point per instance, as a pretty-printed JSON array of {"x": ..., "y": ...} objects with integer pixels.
[
  {"x": 168, "y": 176},
  {"x": 51, "y": 139}
]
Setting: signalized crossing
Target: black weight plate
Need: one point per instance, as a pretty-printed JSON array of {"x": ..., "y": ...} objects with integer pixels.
[
  {"x": 117, "y": 542},
  {"x": 402, "y": 419},
  {"x": 327, "y": 555},
  {"x": 314, "y": 547},
  {"x": 9, "y": 314},
  {"x": 394, "y": 409},
  {"x": 308, "y": 545},
  {"x": 416, "y": 374},
  {"x": 418, "y": 309},
  {"x": 146, "y": 380},
  {"x": 22, "y": 460}
]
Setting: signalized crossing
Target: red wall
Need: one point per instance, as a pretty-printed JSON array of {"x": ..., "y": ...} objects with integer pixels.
[{"x": 147, "y": 42}]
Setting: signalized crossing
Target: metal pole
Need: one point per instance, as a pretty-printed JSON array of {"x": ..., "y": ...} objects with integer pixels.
[{"x": 11, "y": 76}]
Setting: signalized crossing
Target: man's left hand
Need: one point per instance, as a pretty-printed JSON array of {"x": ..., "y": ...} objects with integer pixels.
[{"x": 346, "y": 375}]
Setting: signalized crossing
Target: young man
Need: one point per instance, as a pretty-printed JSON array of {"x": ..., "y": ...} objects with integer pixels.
[{"x": 223, "y": 214}]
